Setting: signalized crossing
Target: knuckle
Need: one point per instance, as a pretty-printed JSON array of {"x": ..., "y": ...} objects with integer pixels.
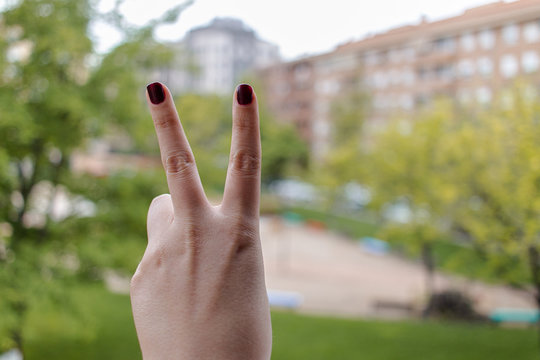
[
  {"x": 136, "y": 280},
  {"x": 246, "y": 163},
  {"x": 154, "y": 257},
  {"x": 151, "y": 264},
  {"x": 179, "y": 162},
  {"x": 165, "y": 121},
  {"x": 245, "y": 121}
]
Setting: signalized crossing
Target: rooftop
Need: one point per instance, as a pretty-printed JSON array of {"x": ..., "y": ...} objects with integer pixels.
[{"x": 500, "y": 11}]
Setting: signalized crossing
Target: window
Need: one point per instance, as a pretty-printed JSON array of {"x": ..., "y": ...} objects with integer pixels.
[
  {"x": 381, "y": 102},
  {"x": 444, "y": 44},
  {"x": 371, "y": 58},
  {"x": 483, "y": 94},
  {"x": 467, "y": 42},
  {"x": 394, "y": 55},
  {"x": 406, "y": 101},
  {"x": 301, "y": 72},
  {"x": 510, "y": 34},
  {"x": 486, "y": 38},
  {"x": 380, "y": 80},
  {"x": 530, "y": 61},
  {"x": 509, "y": 66},
  {"x": 424, "y": 73},
  {"x": 407, "y": 77},
  {"x": 466, "y": 68},
  {"x": 464, "y": 95},
  {"x": 408, "y": 54},
  {"x": 394, "y": 77},
  {"x": 485, "y": 66},
  {"x": 327, "y": 87},
  {"x": 422, "y": 99},
  {"x": 531, "y": 31},
  {"x": 444, "y": 72}
]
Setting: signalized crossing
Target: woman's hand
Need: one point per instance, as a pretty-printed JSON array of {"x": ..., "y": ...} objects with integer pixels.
[{"x": 199, "y": 290}]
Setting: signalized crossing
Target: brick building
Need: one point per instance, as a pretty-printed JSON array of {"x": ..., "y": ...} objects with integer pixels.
[{"x": 469, "y": 57}]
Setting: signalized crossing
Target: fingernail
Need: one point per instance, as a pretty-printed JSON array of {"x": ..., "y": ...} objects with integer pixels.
[
  {"x": 244, "y": 94},
  {"x": 156, "y": 93}
]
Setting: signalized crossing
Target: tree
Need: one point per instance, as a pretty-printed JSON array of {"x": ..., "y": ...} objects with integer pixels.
[
  {"x": 55, "y": 94},
  {"x": 285, "y": 154},
  {"x": 207, "y": 122},
  {"x": 342, "y": 163},
  {"x": 499, "y": 173},
  {"x": 470, "y": 174},
  {"x": 408, "y": 166}
]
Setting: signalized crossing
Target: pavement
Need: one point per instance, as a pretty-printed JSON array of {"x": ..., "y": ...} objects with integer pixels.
[{"x": 334, "y": 275}]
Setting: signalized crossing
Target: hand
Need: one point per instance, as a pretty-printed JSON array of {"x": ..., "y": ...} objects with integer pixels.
[{"x": 199, "y": 291}]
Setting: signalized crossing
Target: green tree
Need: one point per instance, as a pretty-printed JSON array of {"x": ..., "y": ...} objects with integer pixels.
[
  {"x": 55, "y": 94},
  {"x": 468, "y": 174},
  {"x": 343, "y": 162},
  {"x": 498, "y": 170},
  {"x": 285, "y": 154},
  {"x": 207, "y": 122},
  {"x": 408, "y": 166}
]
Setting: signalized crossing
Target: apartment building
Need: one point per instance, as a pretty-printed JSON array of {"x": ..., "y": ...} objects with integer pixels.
[
  {"x": 212, "y": 58},
  {"x": 469, "y": 58}
]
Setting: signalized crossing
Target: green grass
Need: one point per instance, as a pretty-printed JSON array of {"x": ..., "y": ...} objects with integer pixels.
[
  {"x": 100, "y": 328},
  {"x": 106, "y": 332},
  {"x": 353, "y": 227},
  {"x": 303, "y": 337}
]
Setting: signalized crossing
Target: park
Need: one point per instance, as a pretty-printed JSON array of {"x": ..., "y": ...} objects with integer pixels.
[{"x": 411, "y": 237}]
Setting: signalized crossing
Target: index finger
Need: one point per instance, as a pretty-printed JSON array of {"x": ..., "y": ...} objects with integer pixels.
[{"x": 182, "y": 177}]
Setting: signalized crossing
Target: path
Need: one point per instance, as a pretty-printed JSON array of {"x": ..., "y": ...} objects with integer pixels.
[{"x": 336, "y": 276}]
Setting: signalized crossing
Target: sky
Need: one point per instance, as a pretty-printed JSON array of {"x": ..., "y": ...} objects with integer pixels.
[{"x": 298, "y": 27}]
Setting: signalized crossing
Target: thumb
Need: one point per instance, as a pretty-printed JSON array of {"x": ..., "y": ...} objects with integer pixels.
[{"x": 160, "y": 215}]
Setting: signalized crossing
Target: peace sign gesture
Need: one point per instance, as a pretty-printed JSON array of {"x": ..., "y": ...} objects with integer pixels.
[{"x": 199, "y": 290}]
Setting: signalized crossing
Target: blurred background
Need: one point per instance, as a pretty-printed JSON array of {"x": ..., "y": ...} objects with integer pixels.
[{"x": 400, "y": 214}]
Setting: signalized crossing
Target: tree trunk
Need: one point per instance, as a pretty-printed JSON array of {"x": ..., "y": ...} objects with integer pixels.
[
  {"x": 16, "y": 336},
  {"x": 19, "y": 308},
  {"x": 534, "y": 262},
  {"x": 429, "y": 267},
  {"x": 429, "y": 271}
]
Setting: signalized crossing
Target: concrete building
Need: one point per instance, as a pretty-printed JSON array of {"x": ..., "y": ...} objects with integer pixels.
[
  {"x": 470, "y": 58},
  {"x": 213, "y": 58}
]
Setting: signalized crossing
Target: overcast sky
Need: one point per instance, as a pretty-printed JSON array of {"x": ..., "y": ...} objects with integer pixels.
[{"x": 297, "y": 26}]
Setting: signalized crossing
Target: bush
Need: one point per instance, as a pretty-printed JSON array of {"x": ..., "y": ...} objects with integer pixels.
[{"x": 452, "y": 305}]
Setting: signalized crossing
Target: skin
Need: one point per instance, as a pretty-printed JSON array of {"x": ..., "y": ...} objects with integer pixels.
[{"x": 199, "y": 290}]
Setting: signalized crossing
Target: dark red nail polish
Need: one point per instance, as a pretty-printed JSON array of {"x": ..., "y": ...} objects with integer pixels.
[
  {"x": 244, "y": 94},
  {"x": 156, "y": 93}
]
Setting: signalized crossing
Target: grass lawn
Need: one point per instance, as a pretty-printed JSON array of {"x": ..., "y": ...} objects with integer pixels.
[
  {"x": 106, "y": 332},
  {"x": 303, "y": 337},
  {"x": 355, "y": 228}
]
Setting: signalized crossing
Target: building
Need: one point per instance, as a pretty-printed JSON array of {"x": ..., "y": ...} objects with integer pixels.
[
  {"x": 214, "y": 57},
  {"x": 469, "y": 58}
]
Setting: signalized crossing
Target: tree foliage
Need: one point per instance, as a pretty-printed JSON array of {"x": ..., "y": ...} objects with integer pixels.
[
  {"x": 343, "y": 161},
  {"x": 57, "y": 93},
  {"x": 468, "y": 174}
]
